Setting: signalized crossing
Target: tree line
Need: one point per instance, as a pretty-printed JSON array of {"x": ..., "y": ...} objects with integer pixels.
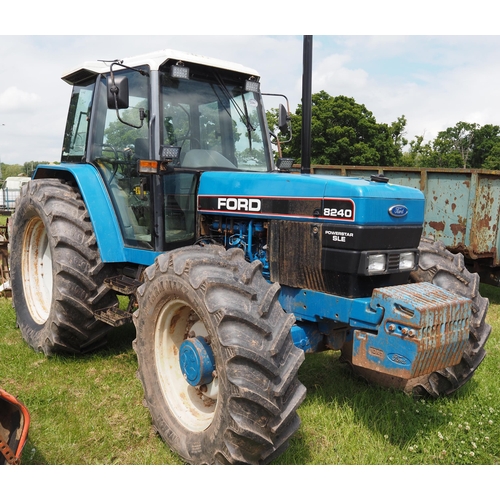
[
  {"x": 345, "y": 132},
  {"x": 14, "y": 170}
]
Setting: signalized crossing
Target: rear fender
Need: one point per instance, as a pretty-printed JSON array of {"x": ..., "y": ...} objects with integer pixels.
[{"x": 101, "y": 210}]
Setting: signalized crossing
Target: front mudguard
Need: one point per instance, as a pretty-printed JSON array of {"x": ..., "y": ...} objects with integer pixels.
[{"x": 14, "y": 425}]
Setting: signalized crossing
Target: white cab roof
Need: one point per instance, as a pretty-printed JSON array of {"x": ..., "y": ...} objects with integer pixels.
[{"x": 154, "y": 60}]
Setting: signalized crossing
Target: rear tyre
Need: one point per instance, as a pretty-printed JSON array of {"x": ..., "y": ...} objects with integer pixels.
[
  {"x": 442, "y": 268},
  {"x": 246, "y": 413},
  {"x": 56, "y": 270}
]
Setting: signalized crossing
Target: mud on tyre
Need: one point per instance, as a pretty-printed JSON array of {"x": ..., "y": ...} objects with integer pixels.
[
  {"x": 56, "y": 270},
  {"x": 246, "y": 411}
]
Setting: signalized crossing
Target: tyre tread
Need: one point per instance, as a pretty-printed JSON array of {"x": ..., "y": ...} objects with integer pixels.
[{"x": 78, "y": 270}]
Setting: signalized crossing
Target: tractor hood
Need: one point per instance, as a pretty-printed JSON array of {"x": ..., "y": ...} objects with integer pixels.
[{"x": 309, "y": 198}]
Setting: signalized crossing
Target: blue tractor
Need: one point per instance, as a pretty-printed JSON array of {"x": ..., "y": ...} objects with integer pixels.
[{"x": 234, "y": 267}]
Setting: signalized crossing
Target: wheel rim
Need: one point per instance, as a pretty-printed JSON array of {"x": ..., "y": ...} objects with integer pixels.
[
  {"x": 37, "y": 270},
  {"x": 193, "y": 407}
]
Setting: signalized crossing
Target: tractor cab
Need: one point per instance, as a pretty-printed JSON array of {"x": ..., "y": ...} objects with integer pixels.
[{"x": 150, "y": 127}]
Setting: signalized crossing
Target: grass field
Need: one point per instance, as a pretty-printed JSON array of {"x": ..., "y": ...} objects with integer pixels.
[{"x": 88, "y": 410}]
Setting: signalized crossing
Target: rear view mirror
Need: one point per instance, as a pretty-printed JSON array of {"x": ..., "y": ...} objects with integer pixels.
[
  {"x": 117, "y": 91},
  {"x": 283, "y": 119},
  {"x": 118, "y": 97}
]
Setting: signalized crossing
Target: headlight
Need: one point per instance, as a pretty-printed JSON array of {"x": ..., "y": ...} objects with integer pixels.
[
  {"x": 406, "y": 260},
  {"x": 376, "y": 263}
]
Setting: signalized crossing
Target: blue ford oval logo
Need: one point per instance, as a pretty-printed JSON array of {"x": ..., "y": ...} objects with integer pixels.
[
  {"x": 398, "y": 211},
  {"x": 399, "y": 359}
]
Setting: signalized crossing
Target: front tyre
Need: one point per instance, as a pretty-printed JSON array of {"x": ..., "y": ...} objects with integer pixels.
[
  {"x": 242, "y": 409},
  {"x": 56, "y": 270}
]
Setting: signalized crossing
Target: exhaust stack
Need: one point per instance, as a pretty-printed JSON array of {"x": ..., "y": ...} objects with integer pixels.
[{"x": 305, "y": 164}]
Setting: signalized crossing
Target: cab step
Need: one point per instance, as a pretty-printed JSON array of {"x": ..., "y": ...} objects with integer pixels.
[
  {"x": 123, "y": 285},
  {"x": 113, "y": 316}
]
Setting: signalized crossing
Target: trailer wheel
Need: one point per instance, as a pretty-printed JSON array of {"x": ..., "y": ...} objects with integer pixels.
[
  {"x": 216, "y": 360},
  {"x": 56, "y": 270},
  {"x": 442, "y": 268}
]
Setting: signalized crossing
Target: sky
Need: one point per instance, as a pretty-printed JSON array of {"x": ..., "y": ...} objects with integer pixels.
[{"x": 433, "y": 80}]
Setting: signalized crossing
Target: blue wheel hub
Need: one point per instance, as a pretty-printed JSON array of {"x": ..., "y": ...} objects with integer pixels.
[{"x": 197, "y": 361}]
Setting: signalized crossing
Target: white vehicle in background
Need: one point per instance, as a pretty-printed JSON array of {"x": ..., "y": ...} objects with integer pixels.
[{"x": 10, "y": 190}]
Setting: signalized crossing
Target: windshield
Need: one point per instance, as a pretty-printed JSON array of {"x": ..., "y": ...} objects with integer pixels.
[{"x": 217, "y": 124}]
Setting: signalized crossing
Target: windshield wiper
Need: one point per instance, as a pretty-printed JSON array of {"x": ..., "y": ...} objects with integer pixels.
[{"x": 242, "y": 114}]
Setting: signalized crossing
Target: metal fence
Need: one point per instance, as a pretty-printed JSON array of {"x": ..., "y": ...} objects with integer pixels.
[{"x": 8, "y": 197}]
